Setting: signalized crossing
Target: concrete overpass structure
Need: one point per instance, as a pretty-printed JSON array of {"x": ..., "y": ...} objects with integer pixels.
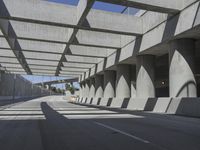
[
  {"x": 49, "y": 83},
  {"x": 124, "y": 63},
  {"x": 118, "y": 58}
]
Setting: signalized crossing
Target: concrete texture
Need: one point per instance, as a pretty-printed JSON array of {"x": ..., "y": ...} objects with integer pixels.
[
  {"x": 181, "y": 72},
  {"x": 162, "y": 105},
  {"x": 133, "y": 81},
  {"x": 174, "y": 106},
  {"x": 104, "y": 101},
  {"x": 145, "y": 76},
  {"x": 158, "y": 32},
  {"x": 81, "y": 90},
  {"x": 137, "y": 104},
  {"x": 83, "y": 42},
  {"x": 92, "y": 88},
  {"x": 117, "y": 102},
  {"x": 86, "y": 90},
  {"x": 92, "y": 30},
  {"x": 109, "y": 84},
  {"x": 184, "y": 106},
  {"x": 99, "y": 84},
  {"x": 123, "y": 81}
]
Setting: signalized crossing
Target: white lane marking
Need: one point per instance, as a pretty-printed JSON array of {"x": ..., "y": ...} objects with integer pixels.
[{"x": 122, "y": 132}]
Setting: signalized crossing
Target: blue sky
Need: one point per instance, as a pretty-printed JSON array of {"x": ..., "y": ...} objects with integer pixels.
[
  {"x": 97, "y": 5},
  {"x": 36, "y": 79}
]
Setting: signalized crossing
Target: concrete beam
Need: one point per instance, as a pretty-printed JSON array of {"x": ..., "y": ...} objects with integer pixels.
[
  {"x": 41, "y": 31},
  {"x": 103, "y": 21},
  {"x": 154, "y": 42},
  {"x": 79, "y": 59},
  {"x": 69, "y": 16},
  {"x": 74, "y": 69},
  {"x": 70, "y": 72},
  {"x": 4, "y": 43},
  {"x": 77, "y": 65},
  {"x": 83, "y": 9},
  {"x": 69, "y": 75},
  {"x": 43, "y": 62},
  {"x": 34, "y": 11},
  {"x": 60, "y": 35},
  {"x": 163, "y": 6},
  {"x": 43, "y": 71},
  {"x": 41, "y": 56},
  {"x": 90, "y": 51},
  {"x": 58, "y": 81},
  {"x": 7, "y": 65},
  {"x": 42, "y": 67},
  {"x": 10, "y": 60},
  {"x": 106, "y": 40},
  {"x": 10, "y": 36},
  {"x": 36, "y": 46}
]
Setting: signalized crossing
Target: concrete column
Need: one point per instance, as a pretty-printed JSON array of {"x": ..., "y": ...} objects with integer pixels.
[
  {"x": 87, "y": 88},
  {"x": 145, "y": 67},
  {"x": 92, "y": 88},
  {"x": 109, "y": 83},
  {"x": 133, "y": 81},
  {"x": 181, "y": 68},
  {"x": 99, "y": 86},
  {"x": 81, "y": 89},
  {"x": 48, "y": 86},
  {"x": 123, "y": 82}
]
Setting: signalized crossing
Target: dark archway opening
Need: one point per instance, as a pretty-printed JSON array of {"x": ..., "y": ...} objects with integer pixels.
[{"x": 162, "y": 76}]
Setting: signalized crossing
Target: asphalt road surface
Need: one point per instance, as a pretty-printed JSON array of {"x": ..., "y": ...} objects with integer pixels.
[{"x": 51, "y": 123}]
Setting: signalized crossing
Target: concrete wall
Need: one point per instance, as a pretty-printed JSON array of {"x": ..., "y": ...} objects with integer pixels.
[
  {"x": 15, "y": 87},
  {"x": 177, "y": 106}
]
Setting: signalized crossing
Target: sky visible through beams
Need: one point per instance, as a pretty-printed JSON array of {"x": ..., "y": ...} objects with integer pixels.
[{"x": 97, "y": 5}]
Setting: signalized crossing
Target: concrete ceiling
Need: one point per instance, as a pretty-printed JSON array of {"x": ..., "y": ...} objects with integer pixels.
[{"x": 43, "y": 38}]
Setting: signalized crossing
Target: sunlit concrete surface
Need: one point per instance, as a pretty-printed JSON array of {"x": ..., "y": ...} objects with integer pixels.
[{"x": 51, "y": 123}]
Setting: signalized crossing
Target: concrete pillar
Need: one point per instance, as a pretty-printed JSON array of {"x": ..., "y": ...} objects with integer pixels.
[
  {"x": 181, "y": 68},
  {"x": 109, "y": 83},
  {"x": 123, "y": 82},
  {"x": 99, "y": 86},
  {"x": 81, "y": 89},
  {"x": 145, "y": 67},
  {"x": 133, "y": 81},
  {"x": 48, "y": 86},
  {"x": 92, "y": 88},
  {"x": 87, "y": 88}
]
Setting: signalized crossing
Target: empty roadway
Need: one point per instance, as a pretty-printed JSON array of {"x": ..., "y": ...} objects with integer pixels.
[{"x": 51, "y": 123}]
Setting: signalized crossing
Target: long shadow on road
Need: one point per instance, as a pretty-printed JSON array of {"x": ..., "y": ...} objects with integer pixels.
[
  {"x": 60, "y": 133},
  {"x": 89, "y": 130}
]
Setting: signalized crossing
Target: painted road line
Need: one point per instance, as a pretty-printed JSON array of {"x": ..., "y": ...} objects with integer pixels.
[{"x": 122, "y": 132}]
